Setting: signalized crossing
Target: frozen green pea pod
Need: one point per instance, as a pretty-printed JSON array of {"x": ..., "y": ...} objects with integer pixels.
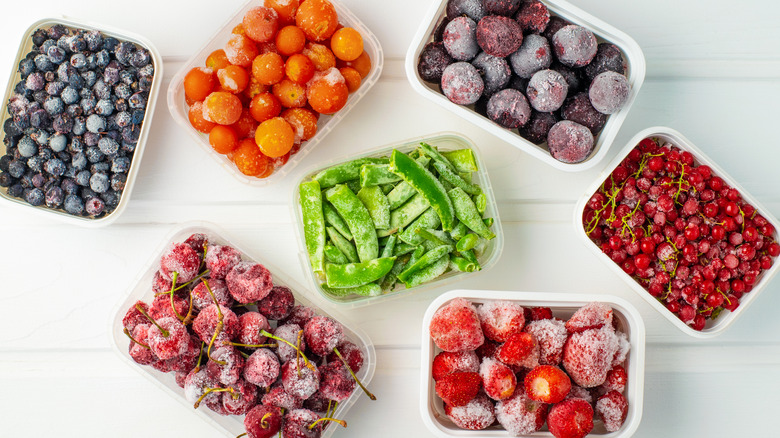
[
  {"x": 344, "y": 172},
  {"x": 453, "y": 178},
  {"x": 436, "y": 156},
  {"x": 343, "y": 245},
  {"x": 466, "y": 212},
  {"x": 388, "y": 250},
  {"x": 368, "y": 290},
  {"x": 488, "y": 221},
  {"x": 403, "y": 191},
  {"x": 427, "y": 259},
  {"x": 377, "y": 205},
  {"x": 334, "y": 255},
  {"x": 333, "y": 218},
  {"x": 463, "y": 265},
  {"x": 402, "y": 248},
  {"x": 313, "y": 223},
  {"x": 416, "y": 254},
  {"x": 429, "y": 219},
  {"x": 357, "y": 274},
  {"x": 404, "y": 215},
  {"x": 426, "y": 185},
  {"x": 471, "y": 257},
  {"x": 430, "y": 272},
  {"x": 462, "y": 159},
  {"x": 480, "y": 201},
  {"x": 391, "y": 278},
  {"x": 467, "y": 242},
  {"x": 377, "y": 174},
  {"x": 387, "y": 188},
  {"x": 353, "y": 185},
  {"x": 459, "y": 231},
  {"x": 358, "y": 220},
  {"x": 437, "y": 237}
]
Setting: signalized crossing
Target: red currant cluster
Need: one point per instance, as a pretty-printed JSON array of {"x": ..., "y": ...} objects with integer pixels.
[{"x": 680, "y": 231}]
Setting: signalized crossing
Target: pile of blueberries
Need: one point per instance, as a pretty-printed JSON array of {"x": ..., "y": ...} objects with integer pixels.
[
  {"x": 525, "y": 69},
  {"x": 74, "y": 120}
]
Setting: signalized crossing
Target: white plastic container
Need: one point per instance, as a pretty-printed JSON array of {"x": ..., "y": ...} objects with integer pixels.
[
  {"x": 563, "y": 305},
  {"x": 24, "y": 48},
  {"x": 326, "y": 123},
  {"x": 444, "y": 141},
  {"x": 726, "y": 318},
  {"x": 229, "y": 426},
  {"x": 635, "y": 74}
]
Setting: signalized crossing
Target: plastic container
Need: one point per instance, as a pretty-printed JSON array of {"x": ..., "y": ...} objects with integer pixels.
[
  {"x": 445, "y": 141},
  {"x": 229, "y": 426},
  {"x": 635, "y": 74},
  {"x": 726, "y": 318},
  {"x": 563, "y": 305},
  {"x": 24, "y": 48},
  {"x": 179, "y": 108}
]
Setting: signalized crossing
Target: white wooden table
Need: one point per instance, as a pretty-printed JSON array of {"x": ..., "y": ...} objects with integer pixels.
[{"x": 713, "y": 73}]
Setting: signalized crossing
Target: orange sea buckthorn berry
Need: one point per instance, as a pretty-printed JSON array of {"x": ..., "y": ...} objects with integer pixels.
[
  {"x": 250, "y": 161},
  {"x": 265, "y": 106},
  {"x": 290, "y": 94},
  {"x": 347, "y": 44},
  {"x": 198, "y": 83},
  {"x": 274, "y": 137},
  {"x": 268, "y": 68},
  {"x": 327, "y": 92},
  {"x": 317, "y": 18},
  {"x": 352, "y": 78},
  {"x": 260, "y": 23},
  {"x": 320, "y": 55},
  {"x": 303, "y": 121},
  {"x": 222, "y": 107},
  {"x": 240, "y": 50},
  {"x": 195, "y": 116},
  {"x": 217, "y": 60},
  {"x": 233, "y": 78},
  {"x": 285, "y": 8},
  {"x": 245, "y": 125},
  {"x": 299, "y": 68},
  {"x": 362, "y": 64},
  {"x": 289, "y": 40},
  {"x": 223, "y": 139}
]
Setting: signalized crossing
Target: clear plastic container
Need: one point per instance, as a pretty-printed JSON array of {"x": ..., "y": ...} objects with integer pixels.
[
  {"x": 726, "y": 318},
  {"x": 635, "y": 73},
  {"x": 179, "y": 108},
  {"x": 563, "y": 305},
  {"x": 24, "y": 48},
  {"x": 229, "y": 426},
  {"x": 444, "y": 141}
]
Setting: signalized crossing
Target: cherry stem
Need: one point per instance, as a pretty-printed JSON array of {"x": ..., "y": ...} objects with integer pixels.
[
  {"x": 183, "y": 285},
  {"x": 220, "y": 324},
  {"x": 200, "y": 357},
  {"x": 368, "y": 393},
  {"x": 236, "y": 344},
  {"x": 209, "y": 391},
  {"x": 239, "y": 436},
  {"x": 306, "y": 360},
  {"x": 127, "y": 332},
  {"x": 173, "y": 306},
  {"x": 341, "y": 422},
  {"x": 264, "y": 420},
  {"x": 190, "y": 316},
  {"x": 143, "y": 312}
]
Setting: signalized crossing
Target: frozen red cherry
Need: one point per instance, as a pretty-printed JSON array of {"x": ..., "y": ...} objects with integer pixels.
[
  {"x": 322, "y": 334},
  {"x": 262, "y": 368},
  {"x": 240, "y": 398},
  {"x": 572, "y": 418},
  {"x": 498, "y": 379},
  {"x": 225, "y": 365},
  {"x": 249, "y": 326},
  {"x": 335, "y": 381},
  {"x": 277, "y": 396},
  {"x": 220, "y": 259},
  {"x": 293, "y": 334},
  {"x": 477, "y": 414},
  {"x": 299, "y": 315},
  {"x": 456, "y": 327},
  {"x": 300, "y": 378},
  {"x": 199, "y": 388},
  {"x": 249, "y": 282},
  {"x": 201, "y": 298},
  {"x": 277, "y": 304},
  {"x": 520, "y": 415},
  {"x": 179, "y": 259},
  {"x": 351, "y": 353},
  {"x": 167, "y": 337},
  {"x": 216, "y": 319},
  {"x": 134, "y": 316},
  {"x": 446, "y": 363},
  {"x": 263, "y": 421},
  {"x": 139, "y": 349},
  {"x": 303, "y": 423},
  {"x": 501, "y": 319}
]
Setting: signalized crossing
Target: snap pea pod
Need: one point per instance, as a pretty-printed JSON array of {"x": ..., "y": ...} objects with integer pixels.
[
  {"x": 463, "y": 265},
  {"x": 418, "y": 252},
  {"x": 427, "y": 259},
  {"x": 429, "y": 219},
  {"x": 462, "y": 159},
  {"x": 357, "y": 274},
  {"x": 402, "y": 248},
  {"x": 390, "y": 279},
  {"x": 377, "y": 174},
  {"x": 334, "y": 255},
  {"x": 480, "y": 201},
  {"x": 467, "y": 242},
  {"x": 436, "y": 156},
  {"x": 466, "y": 212},
  {"x": 332, "y": 217},
  {"x": 471, "y": 257},
  {"x": 344, "y": 172},
  {"x": 429, "y": 272},
  {"x": 387, "y": 252},
  {"x": 426, "y": 184},
  {"x": 403, "y": 216},
  {"x": 313, "y": 223},
  {"x": 488, "y": 221},
  {"x": 453, "y": 178},
  {"x": 386, "y": 188},
  {"x": 377, "y": 205},
  {"x": 344, "y": 246},
  {"x": 437, "y": 237},
  {"x": 358, "y": 220},
  {"x": 459, "y": 231},
  {"x": 353, "y": 185},
  {"x": 403, "y": 191},
  {"x": 368, "y": 290}
]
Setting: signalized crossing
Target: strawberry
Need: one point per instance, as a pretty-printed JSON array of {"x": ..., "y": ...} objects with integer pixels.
[
  {"x": 475, "y": 415},
  {"x": 456, "y": 327},
  {"x": 537, "y": 313},
  {"x": 547, "y": 383},
  {"x": 572, "y": 418},
  {"x": 521, "y": 349},
  {"x": 498, "y": 379},
  {"x": 520, "y": 415},
  {"x": 488, "y": 349},
  {"x": 551, "y": 335},
  {"x": 590, "y": 316},
  {"x": 457, "y": 389},
  {"x": 447, "y": 363},
  {"x": 617, "y": 378},
  {"x": 500, "y": 319},
  {"x": 587, "y": 356},
  {"x": 612, "y": 408}
]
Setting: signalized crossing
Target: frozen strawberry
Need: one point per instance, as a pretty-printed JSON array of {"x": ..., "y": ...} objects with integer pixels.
[
  {"x": 488, "y": 349},
  {"x": 218, "y": 319},
  {"x": 457, "y": 389},
  {"x": 521, "y": 349},
  {"x": 500, "y": 319},
  {"x": 201, "y": 298},
  {"x": 220, "y": 259},
  {"x": 547, "y": 383},
  {"x": 616, "y": 380},
  {"x": 590, "y": 316},
  {"x": 293, "y": 334},
  {"x": 278, "y": 397},
  {"x": 580, "y": 392},
  {"x": 623, "y": 348},
  {"x": 167, "y": 338},
  {"x": 139, "y": 349},
  {"x": 477, "y": 414},
  {"x": 263, "y": 421},
  {"x": 572, "y": 418},
  {"x": 520, "y": 415},
  {"x": 299, "y": 315},
  {"x": 242, "y": 396},
  {"x": 446, "y": 363},
  {"x": 249, "y": 326},
  {"x": 249, "y": 282},
  {"x": 551, "y": 335},
  {"x": 322, "y": 334},
  {"x": 587, "y": 356},
  {"x": 612, "y": 408},
  {"x": 456, "y": 327},
  {"x": 134, "y": 317},
  {"x": 335, "y": 381},
  {"x": 179, "y": 259},
  {"x": 225, "y": 365},
  {"x": 300, "y": 379},
  {"x": 277, "y": 304},
  {"x": 261, "y": 368},
  {"x": 537, "y": 313},
  {"x": 498, "y": 379},
  {"x": 351, "y": 353}
]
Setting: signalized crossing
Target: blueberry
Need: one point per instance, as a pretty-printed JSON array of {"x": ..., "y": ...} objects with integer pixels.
[
  {"x": 128, "y": 147},
  {"x": 54, "y": 88},
  {"x": 35, "y": 81},
  {"x": 99, "y": 182},
  {"x": 102, "y": 58},
  {"x": 35, "y": 163},
  {"x": 91, "y": 64},
  {"x": 88, "y": 104},
  {"x": 69, "y": 186},
  {"x": 5, "y": 160},
  {"x": 6, "y": 180},
  {"x": 62, "y": 42},
  {"x": 145, "y": 83},
  {"x": 123, "y": 52},
  {"x": 96, "y": 123},
  {"x": 73, "y": 205},
  {"x": 140, "y": 58},
  {"x": 69, "y": 95},
  {"x": 146, "y": 71},
  {"x": 104, "y": 107},
  {"x": 38, "y": 37},
  {"x": 26, "y": 66},
  {"x": 43, "y": 63},
  {"x": 82, "y": 178},
  {"x": 111, "y": 73},
  {"x": 39, "y": 96},
  {"x": 38, "y": 180},
  {"x": 17, "y": 168},
  {"x": 94, "y": 155},
  {"x": 41, "y": 137},
  {"x": 90, "y": 77},
  {"x": 101, "y": 90},
  {"x": 79, "y": 161},
  {"x": 111, "y": 198},
  {"x": 87, "y": 194},
  {"x": 103, "y": 166},
  {"x": 123, "y": 119},
  {"x": 120, "y": 105},
  {"x": 70, "y": 172},
  {"x": 62, "y": 124},
  {"x": 78, "y": 61},
  {"x": 21, "y": 90},
  {"x": 64, "y": 71},
  {"x": 55, "y": 54},
  {"x": 74, "y": 110},
  {"x": 79, "y": 125},
  {"x": 45, "y": 46},
  {"x": 94, "y": 40},
  {"x": 76, "y": 144},
  {"x": 128, "y": 76},
  {"x": 131, "y": 133},
  {"x": 120, "y": 165},
  {"x": 26, "y": 180},
  {"x": 137, "y": 100},
  {"x": 34, "y": 197},
  {"x": 16, "y": 190},
  {"x": 10, "y": 128},
  {"x": 53, "y": 105},
  {"x": 27, "y": 147},
  {"x": 22, "y": 121},
  {"x": 110, "y": 43},
  {"x": 45, "y": 154},
  {"x": 76, "y": 43},
  {"x": 39, "y": 119},
  {"x": 91, "y": 138},
  {"x": 55, "y": 167},
  {"x": 76, "y": 81},
  {"x": 54, "y": 197},
  {"x": 57, "y": 31},
  {"x": 95, "y": 206}
]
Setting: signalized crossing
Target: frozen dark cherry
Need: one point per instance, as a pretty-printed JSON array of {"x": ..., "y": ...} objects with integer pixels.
[
  {"x": 498, "y": 35},
  {"x": 574, "y": 45},
  {"x": 433, "y": 60},
  {"x": 495, "y": 72},
  {"x": 461, "y": 83},
  {"x": 609, "y": 92},
  {"x": 547, "y": 89},
  {"x": 509, "y": 108},
  {"x": 537, "y": 127},
  {"x": 608, "y": 58},
  {"x": 579, "y": 109},
  {"x": 533, "y": 55},
  {"x": 533, "y": 17},
  {"x": 570, "y": 142},
  {"x": 460, "y": 38}
]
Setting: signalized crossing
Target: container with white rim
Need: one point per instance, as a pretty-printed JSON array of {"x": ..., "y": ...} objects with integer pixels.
[{"x": 604, "y": 32}]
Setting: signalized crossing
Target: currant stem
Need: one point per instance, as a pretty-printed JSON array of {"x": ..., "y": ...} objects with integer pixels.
[
  {"x": 164, "y": 332},
  {"x": 368, "y": 393},
  {"x": 127, "y": 332}
]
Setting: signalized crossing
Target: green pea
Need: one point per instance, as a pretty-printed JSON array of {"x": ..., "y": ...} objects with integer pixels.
[
  {"x": 480, "y": 201},
  {"x": 357, "y": 274},
  {"x": 313, "y": 223},
  {"x": 358, "y": 220},
  {"x": 472, "y": 258}
]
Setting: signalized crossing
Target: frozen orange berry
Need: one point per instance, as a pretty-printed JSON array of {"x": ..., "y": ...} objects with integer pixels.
[
  {"x": 233, "y": 78},
  {"x": 299, "y": 68},
  {"x": 223, "y": 139},
  {"x": 285, "y": 8},
  {"x": 289, "y": 40},
  {"x": 250, "y": 161},
  {"x": 352, "y": 78},
  {"x": 254, "y": 88},
  {"x": 303, "y": 121},
  {"x": 290, "y": 94},
  {"x": 268, "y": 68},
  {"x": 265, "y": 106},
  {"x": 245, "y": 125},
  {"x": 222, "y": 107},
  {"x": 195, "y": 115},
  {"x": 198, "y": 83},
  {"x": 240, "y": 50},
  {"x": 362, "y": 64},
  {"x": 317, "y": 18},
  {"x": 327, "y": 91},
  {"x": 320, "y": 55},
  {"x": 260, "y": 23},
  {"x": 347, "y": 44},
  {"x": 238, "y": 29},
  {"x": 217, "y": 60},
  {"x": 275, "y": 137}
]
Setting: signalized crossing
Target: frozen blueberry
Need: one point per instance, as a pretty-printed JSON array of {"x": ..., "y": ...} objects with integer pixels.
[
  {"x": 34, "y": 196},
  {"x": 118, "y": 181},
  {"x": 62, "y": 123},
  {"x": 39, "y": 118},
  {"x": 6, "y": 180},
  {"x": 54, "y": 88},
  {"x": 57, "y": 31},
  {"x": 137, "y": 116},
  {"x": 88, "y": 104},
  {"x": 432, "y": 62},
  {"x": 54, "y": 166},
  {"x": 127, "y": 76},
  {"x": 533, "y": 17},
  {"x": 474, "y": 9},
  {"x": 94, "y": 155},
  {"x": 460, "y": 38},
  {"x": 87, "y": 194},
  {"x": 76, "y": 81},
  {"x": 533, "y": 55},
  {"x": 90, "y": 77},
  {"x": 17, "y": 168},
  {"x": 102, "y": 58},
  {"x": 95, "y": 206},
  {"x": 64, "y": 71},
  {"x": 498, "y": 35},
  {"x": 123, "y": 91},
  {"x": 124, "y": 118},
  {"x": 579, "y": 109},
  {"x": 26, "y": 66},
  {"x": 608, "y": 92},
  {"x": 101, "y": 166},
  {"x": 10, "y": 128},
  {"x": 140, "y": 58},
  {"x": 99, "y": 182},
  {"x": 54, "y": 197},
  {"x": 5, "y": 160},
  {"x": 569, "y": 142},
  {"x": 111, "y": 73},
  {"x": 79, "y": 161},
  {"x": 104, "y": 107},
  {"x": 73, "y": 205},
  {"x": 96, "y": 124},
  {"x": 39, "y": 36},
  {"x": 509, "y": 108},
  {"x": 495, "y": 72},
  {"x": 16, "y": 190},
  {"x": 147, "y": 71},
  {"x": 137, "y": 100},
  {"x": 53, "y": 105},
  {"x": 76, "y": 144},
  {"x": 79, "y": 125},
  {"x": 38, "y": 180},
  {"x": 35, "y": 81},
  {"x": 55, "y": 54},
  {"x": 502, "y": 7},
  {"x": 69, "y": 95},
  {"x": 83, "y": 177},
  {"x": 538, "y": 126},
  {"x": 123, "y": 52},
  {"x": 27, "y": 147},
  {"x": 69, "y": 186},
  {"x": 547, "y": 90},
  {"x": 78, "y": 61},
  {"x": 574, "y": 45},
  {"x": 120, "y": 164},
  {"x": 131, "y": 133},
  {"x": 461, "y": 83},
  {"x": 43, "y": 63}
]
